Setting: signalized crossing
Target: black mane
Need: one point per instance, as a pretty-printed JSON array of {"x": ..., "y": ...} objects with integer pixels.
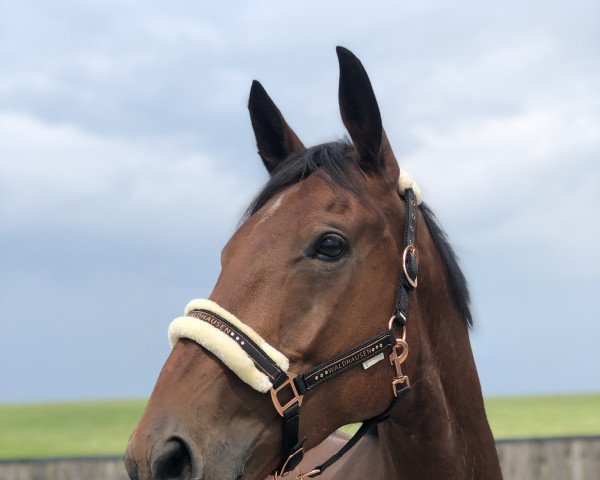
[{"x": 333, "y": 160}]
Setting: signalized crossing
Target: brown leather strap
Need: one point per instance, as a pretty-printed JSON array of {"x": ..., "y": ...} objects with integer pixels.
[{"x": 345, "y": 361}]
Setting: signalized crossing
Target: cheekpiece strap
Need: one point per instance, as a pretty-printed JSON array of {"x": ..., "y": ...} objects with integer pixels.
[
  {"x": 361, "y": 432},
  {"x": 410, "y": 260}
]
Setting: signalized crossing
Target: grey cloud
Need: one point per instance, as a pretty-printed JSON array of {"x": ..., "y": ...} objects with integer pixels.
[{"x": 123, "y": 135}]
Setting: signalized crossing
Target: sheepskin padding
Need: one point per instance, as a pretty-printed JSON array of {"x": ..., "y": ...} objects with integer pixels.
[
  {"x": 204, "y": 304},
  {"x": 223, "y": 346},
  {"x": 405, "y": 182}
]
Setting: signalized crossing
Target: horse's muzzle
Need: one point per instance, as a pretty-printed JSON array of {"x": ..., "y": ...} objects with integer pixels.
[{"x": 169, "y": 460}]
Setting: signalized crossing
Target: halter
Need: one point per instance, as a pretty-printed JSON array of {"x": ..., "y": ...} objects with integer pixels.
[{"x": 264, "y": 368}]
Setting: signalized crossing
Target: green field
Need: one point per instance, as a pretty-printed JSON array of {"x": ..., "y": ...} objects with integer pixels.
[{"x": 102, "y": 428}]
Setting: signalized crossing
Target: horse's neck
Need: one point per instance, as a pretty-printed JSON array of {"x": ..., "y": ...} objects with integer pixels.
[
  {"x": 442, "y": 434},
  {"x": 440, "y": 429}
]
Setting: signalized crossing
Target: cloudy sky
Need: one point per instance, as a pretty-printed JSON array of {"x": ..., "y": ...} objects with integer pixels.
[{"x": 126, "y": 159}]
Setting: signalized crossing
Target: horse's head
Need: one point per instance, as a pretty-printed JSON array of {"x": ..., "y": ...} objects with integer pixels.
[{"x": 313, "y": 270}]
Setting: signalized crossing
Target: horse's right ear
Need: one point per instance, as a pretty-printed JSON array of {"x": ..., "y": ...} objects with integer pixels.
[
  {"x": 359, "y": 109},
  {"x": 274, "y": 137}
]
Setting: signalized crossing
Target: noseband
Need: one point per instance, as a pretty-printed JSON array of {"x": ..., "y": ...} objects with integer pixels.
[{"x": 264, "y": 368}]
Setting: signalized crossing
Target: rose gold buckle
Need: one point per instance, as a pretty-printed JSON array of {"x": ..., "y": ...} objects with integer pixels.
[
  {"x": 403, "y": 380},
  {"x": 282, "y": 473},
  {"x": 413, "y": 251},
  {"x": 314, "y": 471},
  {"x": 297, "y": 398}
]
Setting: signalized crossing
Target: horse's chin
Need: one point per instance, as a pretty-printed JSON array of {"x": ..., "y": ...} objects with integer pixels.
[
  {"x": 220, "y": 472},
  {"x": 255, "y": 470},
  {"x": 226, "y": 461}
]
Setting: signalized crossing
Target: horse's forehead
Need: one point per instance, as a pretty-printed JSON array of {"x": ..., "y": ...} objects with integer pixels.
[
  {"x": 312, "y": 194},
  {"x": 279, "y": 201},
  {"x": 294, "y": 208}
]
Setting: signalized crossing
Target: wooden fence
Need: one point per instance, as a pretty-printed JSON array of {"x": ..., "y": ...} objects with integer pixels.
[
  {"x": 85, "y": 468},
  {"x": 565, "y": 458}
]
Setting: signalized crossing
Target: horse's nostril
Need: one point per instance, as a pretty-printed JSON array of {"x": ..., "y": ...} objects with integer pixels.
[{"x": 172, "y": 462}]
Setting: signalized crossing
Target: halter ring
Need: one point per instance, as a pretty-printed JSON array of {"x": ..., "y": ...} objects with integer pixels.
[
  {"x": 413, "y": 251},
  {"x": 391, "y": 327}
]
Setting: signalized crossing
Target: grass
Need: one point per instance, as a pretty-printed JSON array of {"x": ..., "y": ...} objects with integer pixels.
[
  {"x": 544, "y": 416},
  {"x": 67, "y": 429},
  {"x": 103, "y": 427}
]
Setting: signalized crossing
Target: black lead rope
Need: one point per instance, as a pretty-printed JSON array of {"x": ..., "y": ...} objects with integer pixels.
[{"x": 288, "y": 390}]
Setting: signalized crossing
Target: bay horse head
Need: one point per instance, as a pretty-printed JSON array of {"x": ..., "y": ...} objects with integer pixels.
[{"x": 308, "y": 284}]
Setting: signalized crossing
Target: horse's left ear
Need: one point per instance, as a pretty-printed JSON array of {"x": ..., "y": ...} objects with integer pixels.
[
  {"x": 274, "y": 137},
  {"x": 361, "y": 116}
]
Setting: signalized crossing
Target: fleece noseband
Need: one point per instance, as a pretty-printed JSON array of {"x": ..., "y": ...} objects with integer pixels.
[
  {"x": 265, "y": 369},
  {"x": 236, "y": 344}
]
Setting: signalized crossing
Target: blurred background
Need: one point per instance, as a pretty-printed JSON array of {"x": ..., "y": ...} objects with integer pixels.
[{"x": 127, "y": 159}]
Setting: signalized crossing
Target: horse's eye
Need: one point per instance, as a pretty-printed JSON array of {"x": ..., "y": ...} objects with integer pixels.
[{"x": 330, "y": 247}]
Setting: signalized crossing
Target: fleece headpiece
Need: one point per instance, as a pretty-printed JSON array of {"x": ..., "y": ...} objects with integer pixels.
[
  {"x": 405, "y": 182},
  {"x": 224, "y": 345}
]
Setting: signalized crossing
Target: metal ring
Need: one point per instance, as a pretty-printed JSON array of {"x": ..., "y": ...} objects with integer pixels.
[
  {"x": 413, "y": 251},
  {"x": 391, "y": 325}
]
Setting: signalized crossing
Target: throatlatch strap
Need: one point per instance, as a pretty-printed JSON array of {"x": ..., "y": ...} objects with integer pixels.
[{"x": 361, "y": 432}]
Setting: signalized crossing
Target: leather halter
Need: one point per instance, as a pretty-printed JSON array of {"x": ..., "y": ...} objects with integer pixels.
[{"x": 289, "y": 389}]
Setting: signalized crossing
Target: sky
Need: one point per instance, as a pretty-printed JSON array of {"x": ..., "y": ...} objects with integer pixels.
[{"x": 127, "y": 159}]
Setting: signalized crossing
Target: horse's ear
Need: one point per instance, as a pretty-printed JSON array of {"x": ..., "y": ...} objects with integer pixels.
[
  {"x": 274, "y": 137},
  {"x": 360, "y": 114}
]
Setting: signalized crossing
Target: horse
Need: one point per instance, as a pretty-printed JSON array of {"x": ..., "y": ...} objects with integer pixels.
[{"x": 336, "y": 242}]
